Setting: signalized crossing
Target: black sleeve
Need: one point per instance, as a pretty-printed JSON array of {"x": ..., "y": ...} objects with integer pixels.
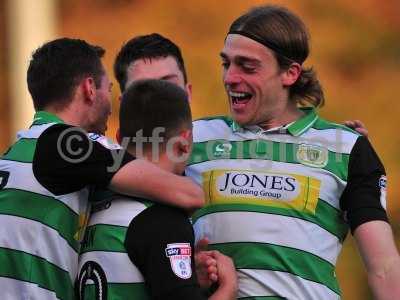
[
  {"x": 66, "y": 160},
  {"x": 159, "y": 242},
  {"x": 364, "y": 198}
]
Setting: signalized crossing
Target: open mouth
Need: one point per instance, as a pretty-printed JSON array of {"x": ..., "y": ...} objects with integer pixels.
[{"x": 239, "y": 99}]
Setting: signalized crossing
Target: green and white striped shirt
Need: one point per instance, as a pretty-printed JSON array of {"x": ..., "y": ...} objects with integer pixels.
[
  {"x": 274, "y": 202},
  {"x": 40, "y": 232}
]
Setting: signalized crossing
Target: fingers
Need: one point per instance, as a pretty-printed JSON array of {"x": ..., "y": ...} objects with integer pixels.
[
  {"x": 359, "y": 123},
  {"x": 358, "y": 126},
  {"x": 350, "y": 124},
  {"x": 202, "y": 245}
]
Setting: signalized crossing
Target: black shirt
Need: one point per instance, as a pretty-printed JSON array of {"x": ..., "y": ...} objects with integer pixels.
[
  {"x": 66, "y": 160},
  {"x": 160, "y": 242},
  {"x": 364, "y": 196}
]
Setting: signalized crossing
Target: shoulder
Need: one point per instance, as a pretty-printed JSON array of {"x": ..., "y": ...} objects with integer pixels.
[
  {"x": 212, "y": 128},
  {"x": 336, "y": 137},
  {"x": 164, "y": 214}
]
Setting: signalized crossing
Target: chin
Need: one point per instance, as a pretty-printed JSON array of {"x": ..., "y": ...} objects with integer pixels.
[{"x": 240, "y": 120}]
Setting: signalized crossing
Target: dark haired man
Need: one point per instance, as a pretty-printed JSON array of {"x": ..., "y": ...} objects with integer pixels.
[
  {"x": 47, "y": 174},
  {"x": 282, "y": 184},
  {"x": 150, "y": 57},
  {"x": 136, "y": 249}
]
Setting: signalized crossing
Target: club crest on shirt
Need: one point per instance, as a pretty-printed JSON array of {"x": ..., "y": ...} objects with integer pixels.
[
  {"x": 312, "y": 155},
  {"x": 179, "y": 255}
]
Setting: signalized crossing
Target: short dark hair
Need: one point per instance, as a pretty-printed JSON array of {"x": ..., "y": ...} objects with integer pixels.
[
  {"x": 145, "y": 46},
  {"x": 56, "y": 68},
  {"x": 287, "y": 37},
  {"x": 151, "y": 103}
]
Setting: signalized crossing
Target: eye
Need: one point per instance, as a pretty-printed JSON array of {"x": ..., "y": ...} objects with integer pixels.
[
  {"x": 248, "y": 68},
  {"x": 225, "y": 64}
]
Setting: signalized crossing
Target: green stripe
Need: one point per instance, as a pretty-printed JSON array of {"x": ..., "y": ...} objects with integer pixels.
[
  {"x": 264, "y": 150},
  {"x": 46, "y": 210},
  {"x": 119, "y": 291},
  {"x": 325, "y": 216},
  {"x": 40, "y": 122},
  {"x": 102, "y": 237},
  {"x": 22, "y": 151},
  {"x": 322, "y": 124},
  {"x": 304, "y": 122},
  {"x": 29, "y": 268},
  {"x": 44, "y": 117},
  {"x": 279, "y": 258}
]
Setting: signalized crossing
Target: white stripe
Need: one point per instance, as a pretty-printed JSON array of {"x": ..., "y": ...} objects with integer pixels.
[
  {"x": 331, "y": 186},
  {"x": 120, "y": 213},
  {"x": 205, "y": 130},
  {"x": 12, "y": 289},
  {"x": 22, "y": 178},
  {"x": 116, "y": 265},
  {"x": 336, "y": 140},
  {"x": 34, "y": 132},
  {"x": 37, "y": 239},
  {"x": 223, "y": 227},
  {"x": 272, "y": 283}
]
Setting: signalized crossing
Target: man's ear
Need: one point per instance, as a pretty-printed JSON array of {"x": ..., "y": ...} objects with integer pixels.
[
  {"x": 186, "y": 137},
  {"x": 118, "y": 136},
  {"x": 188, "y": 88},
  {"x": 88, "y": 89},
  {"x": 290, "y": 76}
]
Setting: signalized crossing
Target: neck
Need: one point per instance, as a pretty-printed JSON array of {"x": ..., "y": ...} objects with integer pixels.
[
  {"x": 70, "y": 115},
  {"x": 162, "y": 161},
  {"x": 281, "y": 116}
]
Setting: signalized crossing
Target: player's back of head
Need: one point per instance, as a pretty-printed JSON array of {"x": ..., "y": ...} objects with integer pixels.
[{"x": 151, "y": 109}]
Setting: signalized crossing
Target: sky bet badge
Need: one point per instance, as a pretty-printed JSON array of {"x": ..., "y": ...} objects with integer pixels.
[{"x": 179, "y": 255}]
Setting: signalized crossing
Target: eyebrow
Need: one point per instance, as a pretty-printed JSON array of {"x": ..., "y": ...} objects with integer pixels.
[
  {"x": 242, "y": 59},
  {"x": 168, "y": 76}
]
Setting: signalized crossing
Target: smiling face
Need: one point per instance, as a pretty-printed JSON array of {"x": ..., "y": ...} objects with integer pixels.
[{"x": 253, "y": 81}]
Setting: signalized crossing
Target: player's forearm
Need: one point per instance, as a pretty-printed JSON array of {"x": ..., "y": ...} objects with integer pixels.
[
  {"x": 144, "y": 179},
  {"x": 385, "y": 282}
]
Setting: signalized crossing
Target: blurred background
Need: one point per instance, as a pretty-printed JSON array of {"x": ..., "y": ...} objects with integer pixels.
[{"x": 355, "y": 50}]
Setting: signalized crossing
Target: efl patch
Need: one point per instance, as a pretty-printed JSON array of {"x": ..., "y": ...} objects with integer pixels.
[
  {"x": 382, "y": 185},
  {"x": 179, "y": 255},
  {"x": 105, "y": 141}
]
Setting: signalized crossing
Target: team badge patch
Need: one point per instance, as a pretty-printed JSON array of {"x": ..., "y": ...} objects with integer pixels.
[
  {"x": 179, "y": 255},
  {"x": 312, "y": 155}
]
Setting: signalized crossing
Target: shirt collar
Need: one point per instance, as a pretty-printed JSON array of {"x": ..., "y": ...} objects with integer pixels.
[
  {"x": 295, "y": 128},
  {"x": 44, "y": 117}
]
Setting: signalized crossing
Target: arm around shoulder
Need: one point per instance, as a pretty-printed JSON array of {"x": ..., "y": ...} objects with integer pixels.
[{"x": 144, "y": 179}]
